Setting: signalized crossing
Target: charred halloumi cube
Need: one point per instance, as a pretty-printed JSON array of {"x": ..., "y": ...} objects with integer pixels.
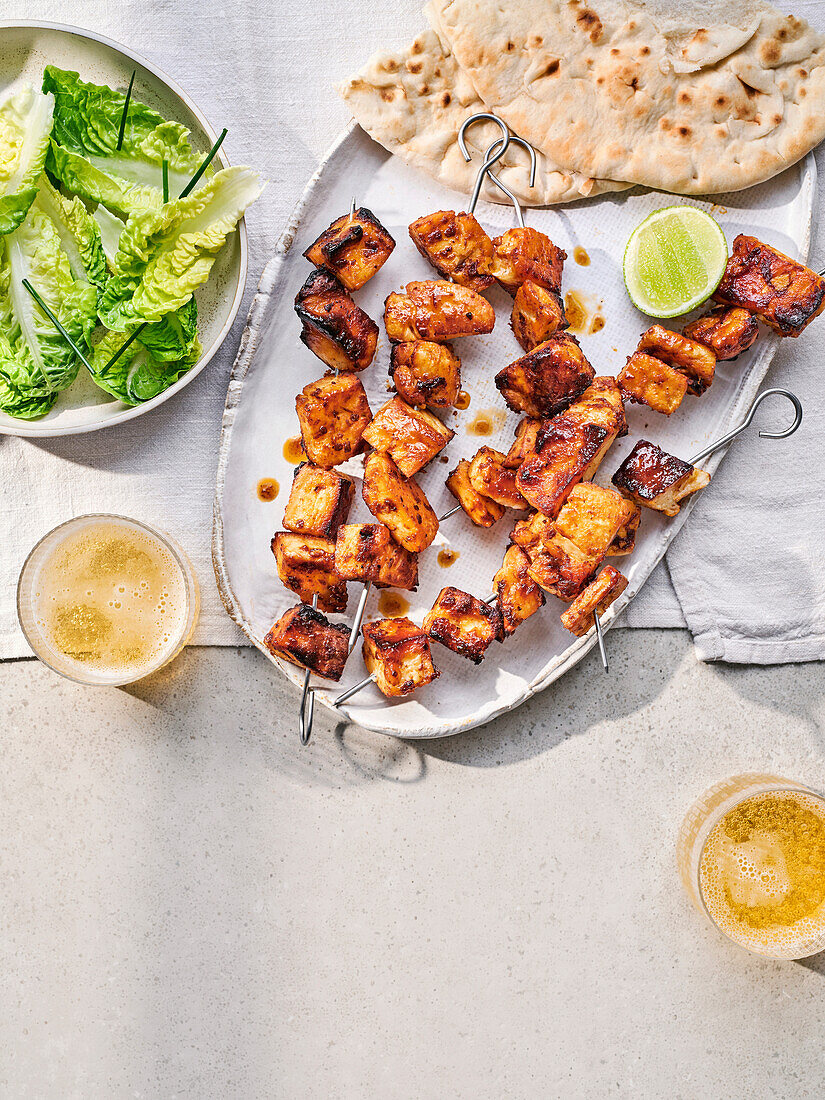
[
  {"x": 594, "y": 600},
  {"x": 332, "y": 413},
  {"x": 524, "y": 444},
  {"x": 592, "y": 516},
  {"x": 648, "y": 381},
  {"x": 306, "y": 638},
  {"x": 436, "y": 310},
  {"x": 411, "y": 437},
  {"x": 601, "y": 403},
  {"x": 333, "y": 327},
  {"x": 570, "y": 453},
  {"x": 456, "y": 246},
  {"x": 522, "y": 255},
  {"x": 397, "y": 653},
  {"x": 481, "y": 510},
  {"x": 570, "y": 447},
  {"x": 726, "y": 330},
  {"x": 517, "y": 594},
  {"x": 492, "y": 478},
  {"x": 398, "y": 502},
  {"x": 306, "y": 565},
  {"x": 319, "y": 501},
  {"x": 655, "y": 479},
  {"x": 462, "y": 623},
  {"x": 557, "y": 564},
  {"x": 538, "y": 313},
  {"x": 353, "y": 248},
  {"x": 367, "y": 552},
  {"x": 426, "y": 373},
  {"x": 547, "y": 379},
  {"x": 781, "y": 292},
  {"x": 696, "y": 361}
]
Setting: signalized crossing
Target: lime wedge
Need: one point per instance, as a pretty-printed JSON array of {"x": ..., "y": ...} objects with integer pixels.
[{"x": 674, "y": 261}]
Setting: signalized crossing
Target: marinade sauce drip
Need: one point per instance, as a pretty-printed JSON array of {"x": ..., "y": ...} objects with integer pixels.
[{"x": 268, "y": 488}]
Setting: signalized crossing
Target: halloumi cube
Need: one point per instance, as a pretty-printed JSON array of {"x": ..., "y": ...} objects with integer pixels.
[
  {"x": 367, "y": 552},
  {"x": 696, "y": 361},
  {"x": 411, "y": 437},
  {"x": 648, "y": 381},
  {"x": 332, "y": 413},
  {"x": 457, "y": 247},
  {"x": 727, "y": 331},
  {"x": 397, "y": 653},
  {"x": 547, "y": 379},
  {"x": 517, "y": 594},
  {"x": 594, "y": 600},
  {"x": 353, "y": 248},
  {"x": 306, "y": 565},
  {"x": 319, "y": 501},
  {"x": 524, "y": 445},
  {"x": 333, "y": 327},
  {"x": 537, "y": 315},
  {"x": 398, "y": 502},
  {"x": 306, "y": 638},
  {"x": 781, "y": 292},
  {"x": 483, "y": 511},
  {"x": 491, "y": 477},
  {"x": 523, "y": 254},
  {"x": 592, "y": 516},
  {"x": 436, "y": 310},
  {"x": 658, "y": 480},
  {"x": 570, "y": 453},
  {"x": 462, "y": 623},
  {"x": 557, "y": 564},
  {"x": 426, "y": 373}
]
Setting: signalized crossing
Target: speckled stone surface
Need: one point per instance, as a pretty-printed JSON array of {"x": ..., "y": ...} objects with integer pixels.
[{"x": 193, "y": 906}]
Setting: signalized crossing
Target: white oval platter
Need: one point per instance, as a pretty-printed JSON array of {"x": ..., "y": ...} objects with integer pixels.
[
  {"x": 273, "y": 365},
  {"x": 25, "y": 49}
]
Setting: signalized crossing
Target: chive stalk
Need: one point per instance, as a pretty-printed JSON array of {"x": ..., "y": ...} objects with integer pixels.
[{"x": 122, "y": 130}]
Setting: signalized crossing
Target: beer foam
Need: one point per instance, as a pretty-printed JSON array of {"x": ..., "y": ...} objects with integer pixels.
[
  {"x": 111, "y": 598},
  {"x": 762, "y": 873}
]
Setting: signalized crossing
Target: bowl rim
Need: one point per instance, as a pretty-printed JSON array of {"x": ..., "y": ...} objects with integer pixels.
[{"x": 129, "y": 413}]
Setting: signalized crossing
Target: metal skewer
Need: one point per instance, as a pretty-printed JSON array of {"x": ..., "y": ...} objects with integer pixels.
[
  {"x": 307, "y": 711},
  {"x": 734, "y": 432}
]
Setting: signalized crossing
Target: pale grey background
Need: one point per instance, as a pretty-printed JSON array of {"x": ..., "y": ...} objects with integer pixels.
[{"x": 192, "y": 906}]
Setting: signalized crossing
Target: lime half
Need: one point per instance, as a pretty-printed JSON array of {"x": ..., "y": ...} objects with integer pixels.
[{"x": 674, "y": 261}]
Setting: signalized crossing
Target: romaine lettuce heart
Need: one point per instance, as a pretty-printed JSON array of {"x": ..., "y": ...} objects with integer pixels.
[
  {"x": 35, "y": 360},
  {"x": 159, "y": 356},
  {"x": 84, "y": 155},
  {"x": 25, "y": 125},
  {"x": 166, "y": 254},
  {"x": 78, "y": 231}
]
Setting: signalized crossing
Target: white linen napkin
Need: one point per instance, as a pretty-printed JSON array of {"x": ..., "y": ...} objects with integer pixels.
[{"x": 748, "y": 568}]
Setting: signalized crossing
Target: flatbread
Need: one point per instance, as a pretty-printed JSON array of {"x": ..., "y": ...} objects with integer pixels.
[
  {"x": 695, "y": 96},
  {"x": 414, "y": 102}
]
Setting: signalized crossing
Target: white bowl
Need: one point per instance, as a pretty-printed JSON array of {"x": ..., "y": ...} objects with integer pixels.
[{"x": 26, "y": 47}]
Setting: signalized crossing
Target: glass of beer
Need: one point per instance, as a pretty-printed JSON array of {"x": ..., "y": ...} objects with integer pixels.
[
  {"x": 107, "y": 600},
  {"x": 751, "y": 855}
]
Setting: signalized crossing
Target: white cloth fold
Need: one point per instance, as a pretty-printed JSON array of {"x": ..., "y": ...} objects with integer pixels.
[{"x": 748, "y": 568}]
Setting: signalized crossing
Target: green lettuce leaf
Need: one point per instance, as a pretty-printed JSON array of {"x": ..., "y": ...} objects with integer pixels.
[
  {"x": 35, "y": 360},
  {"x": 84, "y": 155},
  {"x": 152, "y": 362},
  {"x": 166, "y": 254},
  {"x": 79, "y": 234},
  {"x": 25, "y": 125}
]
